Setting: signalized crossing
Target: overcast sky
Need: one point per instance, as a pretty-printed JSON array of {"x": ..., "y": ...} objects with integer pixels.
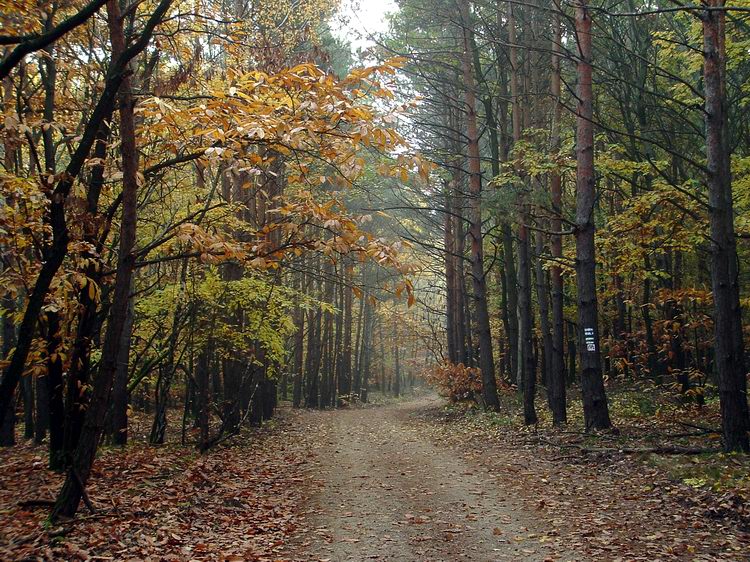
[{"x": 361, "y": 18}]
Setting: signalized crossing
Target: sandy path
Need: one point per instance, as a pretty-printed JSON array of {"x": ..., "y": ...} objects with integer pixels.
[{"x": 388, "y": 493}]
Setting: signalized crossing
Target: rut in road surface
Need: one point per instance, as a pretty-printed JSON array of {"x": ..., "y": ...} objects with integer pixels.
[{"x": 388, "y": 493}]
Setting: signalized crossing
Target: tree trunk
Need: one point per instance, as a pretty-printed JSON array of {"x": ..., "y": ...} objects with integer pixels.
[
  {"x": 396, "y": 360},
  {"x": 461, "y": 320},
  {"x": 8, "y": 414},
  {"x": 729, "y": 352},
  {"x": 202, "y": 376},
  {"x": 556, "y": 379},
  {"x": 542, "y": 295},
  {"x": 78, "y": 473},
  {"x": 367, "y": 353},
  {"x": 42, "y": 410},
  {"x": 450, "y": 279},
  {"x": 572, "y": 351},
  {"x": 299, "y": 344},
  {"x": 8, "y": 421},
  {"x": 48, "y": 72},
  {"x": 479, "y": 282},
  {"x": 54, "y": 383},
  {"x": 327, "y": 341},
  {"x": 345, "y": 380},
  {"x": 595, "y": 408},
  {"x": 28, "y": 406},
  {"x": 511, "y": 284},
  {"x": 652, "y": 358},
  {"x": 338, "y": 346},
  {"x": 357, "y": 374},
  {"x": 166, "y": 375},
  {"x": 516, "y": 125},
  {"x": 312, "y": 371},
  {"x": 120, "y": 394},
  {"x": 89, "y": 316},
  {"x": 526, "y": 324}
]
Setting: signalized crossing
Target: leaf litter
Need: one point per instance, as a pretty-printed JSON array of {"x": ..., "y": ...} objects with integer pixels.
[{"x": 238, "y": 502}]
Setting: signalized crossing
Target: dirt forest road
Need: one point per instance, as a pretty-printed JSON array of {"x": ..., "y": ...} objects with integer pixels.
[{"x": 387, "y": 492}]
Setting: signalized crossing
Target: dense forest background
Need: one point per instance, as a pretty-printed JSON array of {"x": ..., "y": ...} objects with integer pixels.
[
  {"x": 209, "y": 208},
  {"x": 549, "y": 122}
]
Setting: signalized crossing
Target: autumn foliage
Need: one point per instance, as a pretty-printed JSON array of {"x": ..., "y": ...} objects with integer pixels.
[{"x": 456, "y": 381}]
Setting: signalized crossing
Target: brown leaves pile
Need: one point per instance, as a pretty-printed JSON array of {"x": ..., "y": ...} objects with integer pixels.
[{"x": 168, "y": 503}]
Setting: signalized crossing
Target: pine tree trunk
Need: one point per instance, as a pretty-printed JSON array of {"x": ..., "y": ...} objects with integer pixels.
[
  {"x": 338, "y": 346},
  {"x": 450, "y": 280},
  {"x": 461, "y": 321},
  {"x": 314, "y": 350},
  {"x": 299, "y": 344},
  {"x": 396, "y": 388},
  {"x": 556, "y": 384},
  {"x": 357, "y": 374},
  {"x": 595, "y": 408},
  {"x": 345, "y": 381},
  {"x": 729, "y": 352},
  {"x": 521, "y": 302},
  {"x": 526, "y": 324},
  {"x": 479, "y": 282},
  {"x": 367, "y": 353},
  {"x": 542, "y": 296},
  {"x": 511, "y": 284}
]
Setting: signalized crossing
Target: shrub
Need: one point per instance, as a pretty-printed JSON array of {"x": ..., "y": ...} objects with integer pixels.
[{"x": 456, "y": 381}]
